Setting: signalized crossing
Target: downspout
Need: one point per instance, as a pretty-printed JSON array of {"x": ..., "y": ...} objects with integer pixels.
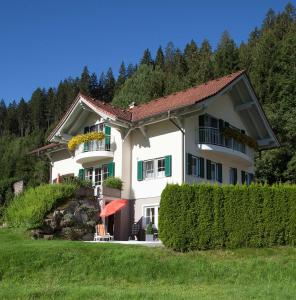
[{"x": 183, "y": 144}]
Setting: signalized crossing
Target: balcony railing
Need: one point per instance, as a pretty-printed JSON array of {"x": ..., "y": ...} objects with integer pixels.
[
  {"x": 107, "y": 144},
  {"x": 213, "y": 136}
]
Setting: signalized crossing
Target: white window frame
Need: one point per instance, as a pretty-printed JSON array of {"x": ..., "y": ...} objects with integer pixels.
[
  {"x": 153, "y": 170},
  {"x": 89, "y": 174},
  {"x": 231, "y": 175},
  {"x": 144, "y": 214},
  {"x": 195, "y": 166},
  {"x": 214, "y": 175}
]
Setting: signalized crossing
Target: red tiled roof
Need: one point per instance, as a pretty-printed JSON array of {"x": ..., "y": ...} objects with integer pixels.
[
  {"x": 109, "y": 109},
  {"x": 163, "y": 104},
  {"x": 183, "y": 98}
]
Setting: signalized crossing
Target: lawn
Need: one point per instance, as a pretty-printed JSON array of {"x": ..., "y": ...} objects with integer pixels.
[{"x": 75, "y": 270}]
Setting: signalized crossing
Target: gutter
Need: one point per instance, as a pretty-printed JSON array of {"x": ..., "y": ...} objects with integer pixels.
[{"x": 183, "y": 144}]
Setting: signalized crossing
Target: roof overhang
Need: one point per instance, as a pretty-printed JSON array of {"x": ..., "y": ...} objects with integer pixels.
[
  {"x": 246, "y": 104},
  {"x": 81, "y": 105}
]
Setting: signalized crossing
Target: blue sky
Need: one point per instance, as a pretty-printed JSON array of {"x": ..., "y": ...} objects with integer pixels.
[{"x": 43, "y": 42}]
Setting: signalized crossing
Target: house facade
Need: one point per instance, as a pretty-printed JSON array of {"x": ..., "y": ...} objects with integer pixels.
[{"x": 208, "y": 133}]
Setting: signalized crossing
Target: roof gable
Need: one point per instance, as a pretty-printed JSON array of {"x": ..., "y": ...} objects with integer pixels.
[{"x": 172, "y": 102}]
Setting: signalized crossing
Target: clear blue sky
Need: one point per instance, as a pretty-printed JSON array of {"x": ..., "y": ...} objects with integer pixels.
[{"x": 43, "y": 42}]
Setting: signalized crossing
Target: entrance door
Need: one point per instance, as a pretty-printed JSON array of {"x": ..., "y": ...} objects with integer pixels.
[{"x": 110, "y": 224}]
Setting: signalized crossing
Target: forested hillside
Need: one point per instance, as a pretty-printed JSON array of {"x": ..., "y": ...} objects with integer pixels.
[{"x": 269, "y": 56}]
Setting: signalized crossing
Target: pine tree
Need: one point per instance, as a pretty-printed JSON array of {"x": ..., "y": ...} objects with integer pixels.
[
  {"x": 109, "y": 86},
  {"x": 11, "y": 121},
  {"x": 94, "y": 86},
  {"x": 147, "y": 58},
  {"x": 22, "y": 116},
  {"x": 121, "y": 76},
  {"x": 192, "y": 59},
  {"x": 206, "y": 66},
  {"x": 169, "y": 57},
  {"x": 37, "y": 109},
  {"x": 131, "y": 69},
  {"x": 226, "y": 56},
  {"x": 3, "y": 111},
  {"x": 159, "y": 59},
  {"x": 85, "y": 82}
]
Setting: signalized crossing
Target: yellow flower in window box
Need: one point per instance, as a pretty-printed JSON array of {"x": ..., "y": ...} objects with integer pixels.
[{"x": 83, "y": 138}]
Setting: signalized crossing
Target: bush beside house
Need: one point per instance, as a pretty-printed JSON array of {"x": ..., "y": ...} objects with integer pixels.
[
  {"x": 67, "y": 211},
  {"x": 208, "y": 217},
  {"x": 28, "y": 209}
]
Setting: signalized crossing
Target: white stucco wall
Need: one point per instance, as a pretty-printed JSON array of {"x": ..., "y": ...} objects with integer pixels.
[
  {"x": 163, "y": 139},
  {"x": 221, "y": 108},
  {"x": 63, "y": 163}
]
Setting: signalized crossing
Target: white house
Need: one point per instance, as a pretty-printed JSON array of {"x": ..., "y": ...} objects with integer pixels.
[{"x": 207, "y": 133}]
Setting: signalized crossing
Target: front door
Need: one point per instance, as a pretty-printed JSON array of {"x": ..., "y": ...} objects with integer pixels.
[{"x": 110, "y": 224}]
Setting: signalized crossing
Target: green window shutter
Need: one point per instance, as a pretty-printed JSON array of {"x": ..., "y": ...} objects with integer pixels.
[
  {"x": 226, "y": 125},
  {"x": 168, "y": 165},
  {"x": 202, "y": 121},
  {"x": 251, "y": 177},
  {"x": 111, "y": 169},
  {"x": 81, "y": 174},
  {"x": 85, "y": 146},
  {"x": 189, "y": 164},
  {"x": 107, "y": 137},
  {"x": 221, "y": 124},
  {"x": 243, "y": 176},
  {"x": 220, "y": 179},
  {"x": 107, "y": 130},
  {"x": 202, "y": 167},
  {"x": 140, "y": 170},
  {"x": 235, "y": 176},
  {"x": 209, "y": 175}
]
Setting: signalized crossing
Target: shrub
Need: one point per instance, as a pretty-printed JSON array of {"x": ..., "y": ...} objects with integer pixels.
[
  {"x": 77, "y": 181},
  {"x": 209, "y": 217},
  {"x": 28, "y": 209},
  {"x": 114, "y": 182},
  {"x": 149, "y": 229}
]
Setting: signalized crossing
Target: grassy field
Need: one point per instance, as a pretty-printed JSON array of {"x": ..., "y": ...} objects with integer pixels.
[{"x": 76, "y": 270}]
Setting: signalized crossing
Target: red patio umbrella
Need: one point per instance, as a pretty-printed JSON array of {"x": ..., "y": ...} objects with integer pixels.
[{"x": 112, "y": 207}]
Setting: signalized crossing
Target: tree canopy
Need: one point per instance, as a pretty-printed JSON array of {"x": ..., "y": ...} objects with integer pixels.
[{"x": 268, "y": 55}]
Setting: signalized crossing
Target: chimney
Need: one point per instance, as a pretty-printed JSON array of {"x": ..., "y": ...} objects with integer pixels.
[{"x": 132, "y": 105}]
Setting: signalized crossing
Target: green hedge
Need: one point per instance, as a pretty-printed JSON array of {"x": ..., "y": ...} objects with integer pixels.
[
  {"x": 211, "y": 216},
  {"x": 28, "y": 209}
]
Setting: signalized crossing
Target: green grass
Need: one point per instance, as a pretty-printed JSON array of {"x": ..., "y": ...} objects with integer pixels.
[
  {"x": 75, "y": 270},
  {"x": 28, "y": 209}
]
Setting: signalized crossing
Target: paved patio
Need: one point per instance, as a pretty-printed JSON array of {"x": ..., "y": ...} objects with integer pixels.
[{"x": 139, "y": 243}]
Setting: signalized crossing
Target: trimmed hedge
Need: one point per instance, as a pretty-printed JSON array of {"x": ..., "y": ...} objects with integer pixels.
[
  {"x": 28, "y": 210},
  {"x": 210, "y": 216}
]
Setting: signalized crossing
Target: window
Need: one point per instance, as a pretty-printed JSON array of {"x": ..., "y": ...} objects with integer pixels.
[
  {"x": 98, "y": 176},
  {"x": 154, "y": 168},
  {"x": 89, "y": 174},
  {"x": 160, "y": 167},
  {"x": 249, "y": 178},
  {"x": 148, "y": 167},
  {"x": 232, "y": 175},
  {"x": 195, "y": 165},
  {"x": 105, "y": 172},
  {"x": 150, "y": 215},
  {"x": 214, "y": 171}
]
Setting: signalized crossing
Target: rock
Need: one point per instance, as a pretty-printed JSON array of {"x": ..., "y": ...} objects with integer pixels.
[{"x": 72, "y": 220}]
